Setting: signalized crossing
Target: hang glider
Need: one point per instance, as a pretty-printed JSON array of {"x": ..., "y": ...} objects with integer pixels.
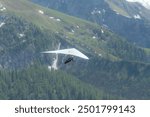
[{"x": 71, "y": 51}]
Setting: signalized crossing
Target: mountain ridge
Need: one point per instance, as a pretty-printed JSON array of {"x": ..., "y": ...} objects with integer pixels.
[{"x": 145, "y": 3}]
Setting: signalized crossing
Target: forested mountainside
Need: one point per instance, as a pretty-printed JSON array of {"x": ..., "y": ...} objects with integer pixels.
[
  {"x": 116, "y": 69},
  {"x": 37, "y": 82},
  {"x": 128, "y": 19},
  {"x": 22, "y": 42}
]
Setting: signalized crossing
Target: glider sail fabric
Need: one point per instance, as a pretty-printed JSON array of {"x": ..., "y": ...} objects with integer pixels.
[{"x": 71, "y": 51}]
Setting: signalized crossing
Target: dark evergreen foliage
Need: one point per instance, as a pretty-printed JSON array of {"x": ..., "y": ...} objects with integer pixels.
[
  {"x": 129, "y": 80},
  {"x": 38, "y": 82}
]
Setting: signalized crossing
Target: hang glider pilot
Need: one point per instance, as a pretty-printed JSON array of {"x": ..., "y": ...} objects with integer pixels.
[
  {"x": 68, "y": 60},
  {"x": 71, "y": 51}
]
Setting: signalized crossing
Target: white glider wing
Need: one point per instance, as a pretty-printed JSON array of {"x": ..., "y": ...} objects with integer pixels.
[{"x": 71, "y": 51}]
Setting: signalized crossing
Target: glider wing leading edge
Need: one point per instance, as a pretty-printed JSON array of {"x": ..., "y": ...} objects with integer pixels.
[{"x": 71, "y": 51}]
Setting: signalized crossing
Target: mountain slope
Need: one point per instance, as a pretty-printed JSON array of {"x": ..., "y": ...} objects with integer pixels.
[
  {"x": 20, "y": 49},
  {"x": 29, "y": 29},
  {"x": 125, "y": 79},
  {"x": 145, "y": 3},
  {"x": 37, "y": 82},
  {"x": 125, "y": 18},
  {"x": 76, "y": 31}
]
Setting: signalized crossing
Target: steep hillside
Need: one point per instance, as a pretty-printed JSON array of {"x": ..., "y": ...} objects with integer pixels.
[
  {"x": 125, "y": 79},
  {"x": 21, "y": 49},
  {"x": 79, "y": 33},
  {"x": 145, "y": 3},
  {"x": 37, "y": 82},
  {"x": 133, "y": 9},
  {"x": 26, "y": 29},
  {"x": 125, "y": 18}
]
